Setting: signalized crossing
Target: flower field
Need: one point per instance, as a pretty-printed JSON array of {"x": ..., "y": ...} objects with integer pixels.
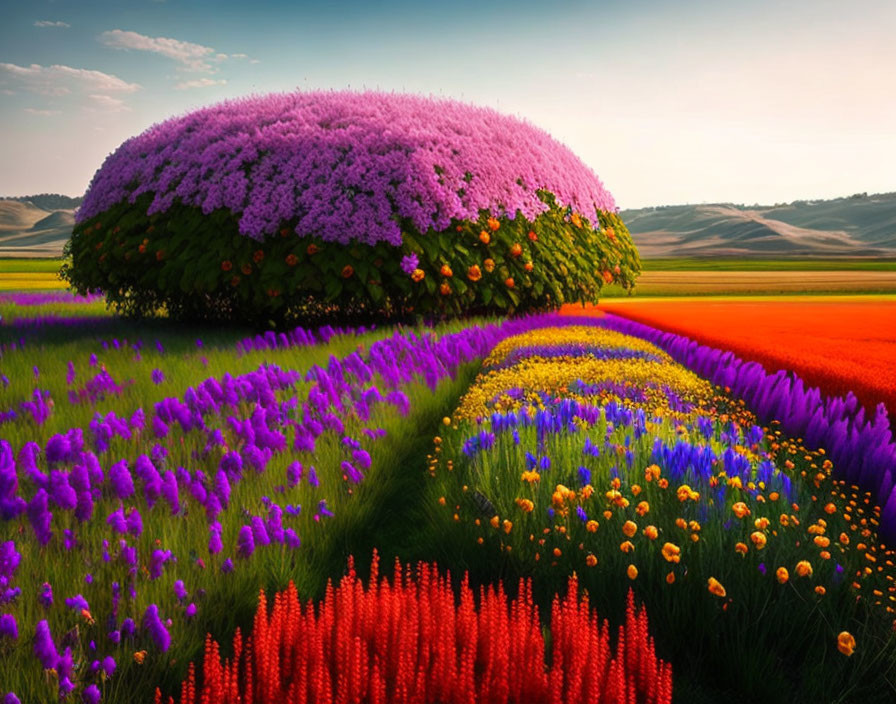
[
  {"x": 617, "y": 515},
  {"x": 850, "y": 350}
]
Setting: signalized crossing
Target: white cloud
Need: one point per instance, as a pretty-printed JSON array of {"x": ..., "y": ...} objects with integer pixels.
[
  {"x": 48, "y": 23},
  {"x": 42, "y": 113},
  {"x": 106, "y": 103},
  {"x": 62, "y": 80},
  {"x": 200, "y": 83},
  {"x": 239, "y": 56},
  {"x": 194, "y": 57}
]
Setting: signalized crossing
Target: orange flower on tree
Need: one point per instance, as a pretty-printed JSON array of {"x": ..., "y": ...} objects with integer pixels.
[
  {"x": 258, "y": 256},
  {"x": 446, "y": 271},
  {"x": 516, "y": 250},
  {"x": 576, "y": 220},
  {"x": 312, "y": 249},
  {"x": 246, "y": 269},
  {"x": 484, "y": 237},
  {"x": 347, "y": 271},
  {"x": 493, "y": 224},
  {"x": 226, "y": 265},
  {"x": 532, "y": 236},
  {"x": 291, "y": 260},
  {"x": 417, "y": 275},
  {"x": 489, "y": 265},
  {"x": 445, "y": 289},
  {"x": 473, "y": 273},
  {"x": 509, "y": 282},
  {"x": 528, "y": 266}
]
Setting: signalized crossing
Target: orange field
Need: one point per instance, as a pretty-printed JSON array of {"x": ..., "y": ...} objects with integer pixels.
[{"x": 839, "y": 345}]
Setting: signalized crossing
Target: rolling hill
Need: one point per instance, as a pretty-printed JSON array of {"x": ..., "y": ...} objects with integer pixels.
[
  {"x": 857, "y": 226},
  {"x": 27, "y": 230}
]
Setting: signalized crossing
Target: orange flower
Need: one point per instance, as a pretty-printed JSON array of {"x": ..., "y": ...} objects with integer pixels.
[
  {"x": 139, "y": 657},
  {"x": 715, "y": 587},
  {"x": 610, "y": 233},
  {"x": 160, "y": 255},
  {"x": 741, "y": 548},
  {"x": 626, "y": 546},
  {"x": 591, "y": 526},
  {"x": 820, "y": 590},
  {"x": 632, "y": 572},
  {"x": 629, "y": 528},
  {"x": 804, "y": 568},
  {"x": 652, "y": 472},
  {"x": 846, "y": 644},
  {"x": 591, "y": 560},
  {"x": 532, "y": 236},
  {"x": 246, "y": 269},
  {"x": 226, "y": 265},
  {"x": 759, "y": 539},
  {"x": 740, "y": 509},
  {"x": 507, "y": 525},
  {"x": 672, "y": 552},
  {"x": 489, "y": 265},
  {"x": 445, "y": 289},
  {"x": 685, "y": 492},
  {"x": 528, "y": 266},
  {"x": 509, "y": 282},
  {"x": 576, "y": 220},
  {"x": 642, "y": 508},
  {"x": 493, "y": 224},
  {"x": 782, "y": 575},
  {"x": 473, "y": 273},
  {"x": 235, "y": 281},
  {"x": 670, "y": 578},
  {"x": 525, "y": 505},
  {"x": 258, "y": 256},
  {"x": 651, "y": 532},
  {"x": 347, "y": 271},
  {"x": 516, "y": 250},
  {"x": 484, "y": 237},
  {"x": 761, "y": 523},
  {"x": 607, "y": 276},
  {"x": 446, "y": 271},
  {"x": 417, "y": 275},
  {"x": 312, "y": 249},
  {"x": 142, "y": 249},
  {"x": 830, "y": 508},
  {"x": 291, "y": 260}
]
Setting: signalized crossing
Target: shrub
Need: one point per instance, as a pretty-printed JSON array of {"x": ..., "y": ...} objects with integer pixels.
[{"x": 346, "y": 204}]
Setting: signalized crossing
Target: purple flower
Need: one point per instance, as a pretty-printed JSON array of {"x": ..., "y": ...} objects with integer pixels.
[
  {"x": 77, "y": 603},
  {"x": 134, "y": 522},
  {"x": 40, "y": 517},
  {"x": 108, "y": 665},
  {"x": 179, "y": 590},
  {"x": 157, "y": 630},
  {"x": 409, "y": 263},
  {"x": 11, "y": 698},
  {"x": 245, "y": 542},
  {"x": 157, "y": 376},
  {"x": 46, "y": 595},
  {"x": 121, "y": 480},
  {"x": 117, "y": 522},
  {"x": 91, "y": 694},
  {"x": 190, "y": 611},
  {"x": 44, "y": 647},
  {"x": 214, "y": 539},
  {"x": 8, "y": 627},
  {"x": 227, "y": 565}
]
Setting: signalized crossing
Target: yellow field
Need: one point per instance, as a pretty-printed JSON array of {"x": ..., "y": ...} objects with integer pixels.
[{"x": 30, "y": 281}]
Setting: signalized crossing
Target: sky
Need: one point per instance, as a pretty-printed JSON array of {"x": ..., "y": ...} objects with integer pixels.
[{"x": 684, "y": 101}]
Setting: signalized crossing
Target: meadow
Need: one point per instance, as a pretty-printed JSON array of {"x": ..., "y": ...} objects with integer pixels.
[{"x": 157, "y": 478}]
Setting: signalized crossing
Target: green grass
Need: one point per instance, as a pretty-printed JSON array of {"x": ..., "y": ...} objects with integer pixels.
[{"x": 33, "y": 266}]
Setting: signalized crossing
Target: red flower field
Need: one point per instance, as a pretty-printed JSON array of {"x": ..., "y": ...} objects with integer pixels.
[{"x": 837, "y": 344}]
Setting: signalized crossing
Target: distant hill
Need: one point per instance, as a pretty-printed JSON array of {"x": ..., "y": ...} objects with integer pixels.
[
  {"x": 29, "y": 230},
  {"x": 856, "y": 226},
  {"x": 49, "y": 201}
]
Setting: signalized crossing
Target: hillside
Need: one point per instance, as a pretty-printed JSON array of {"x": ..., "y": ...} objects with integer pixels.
[
  {"x": 27, "y": 230},
  {"x": 857, "y": 226}
]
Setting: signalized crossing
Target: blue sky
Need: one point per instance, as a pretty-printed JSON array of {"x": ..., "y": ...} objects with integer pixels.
[{"x": 669, "y": 102}]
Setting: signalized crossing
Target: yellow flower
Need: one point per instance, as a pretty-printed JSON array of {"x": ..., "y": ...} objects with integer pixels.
[
  {"x": 761, "y": 523},
  {"x": 630, "y": 528},
  {"x": 685, "y": 492},
  {"x": 672, "y": 552},
  {"x": 846, "y": 644},
  {"x": 651, "y": 532},
  {"x": 489, "y": 265},
  {"x": 740, "y": 509},
  {"x": 759, "y": 539},
  {"x": 632, "y": 572},
  {"x": 716, "y": 588},
  {"x": 782, "y": 575},
  {"x": 652, "y": 472},
  {"x": 804, "y": 568},
  {"x": 531, "y": 477}
]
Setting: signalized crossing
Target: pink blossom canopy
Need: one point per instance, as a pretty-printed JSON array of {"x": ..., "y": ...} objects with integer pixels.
[{"x": 345, "y": 166}]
